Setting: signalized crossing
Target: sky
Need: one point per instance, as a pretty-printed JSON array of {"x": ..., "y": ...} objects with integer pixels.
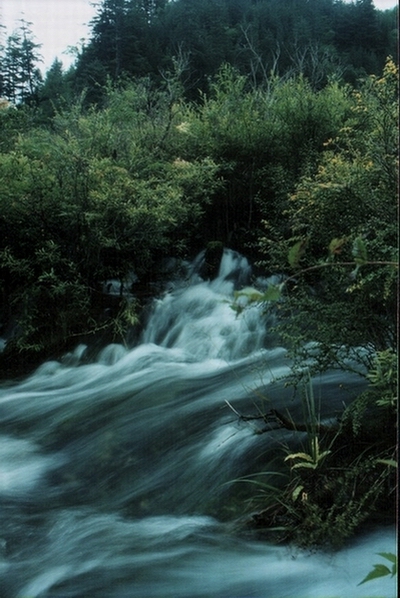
[
  {"x": 56, "y": 24},
  {"x": 59, "y": 24}
]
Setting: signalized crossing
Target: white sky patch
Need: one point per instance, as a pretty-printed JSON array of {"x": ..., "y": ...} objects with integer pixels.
[
  {"x": 58, "y": 24},
  {"x": 385, "y": 4}
]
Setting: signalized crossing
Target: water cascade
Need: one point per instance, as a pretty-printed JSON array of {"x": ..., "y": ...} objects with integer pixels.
[{"x": 116, "y": 476}]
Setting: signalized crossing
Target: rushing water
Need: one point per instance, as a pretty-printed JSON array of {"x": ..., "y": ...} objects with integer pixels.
[{"x": 115, "y": 476}]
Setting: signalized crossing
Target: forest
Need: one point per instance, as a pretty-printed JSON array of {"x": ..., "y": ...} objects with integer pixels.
[{"x": 264, "y": 126}]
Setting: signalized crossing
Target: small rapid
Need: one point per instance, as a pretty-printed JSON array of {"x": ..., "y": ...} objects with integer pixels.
[
  {"x": 117, "y": 477},
  {"x": 198, "y": 318}
]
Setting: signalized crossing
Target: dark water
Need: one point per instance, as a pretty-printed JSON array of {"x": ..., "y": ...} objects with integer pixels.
[{"x": 116, "y": 477}]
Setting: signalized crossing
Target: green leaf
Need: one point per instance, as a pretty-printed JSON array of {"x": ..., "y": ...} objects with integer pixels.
[
  {"x": 306, "y": 465},
  {"x": 273, "y": 292},
  {"x": 390, "y": 557},
  {"x": 236, "y": 308},
  {"x": 335, "y": 246},
  {"x": 378, "y": 571},
  {"x": 296, "y": 492},
  {"x": 299, "y": 456},
  {"x": 359, "y": 251},
  {"x": 296, "y": 253},
  {"x": 250, "y": 293}
]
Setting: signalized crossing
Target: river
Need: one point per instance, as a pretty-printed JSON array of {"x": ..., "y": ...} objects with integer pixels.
[{"x": 117, "y": 477}]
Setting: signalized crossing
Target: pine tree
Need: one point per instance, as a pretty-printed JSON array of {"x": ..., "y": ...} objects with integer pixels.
[
  {"x": 108, "y": 37},
  {"x": 55, "y": 91},
  {"x": 150, "y": 8},
  {"x": 2, "y": 30},
  {"x": 20, "y": 76},
  {"x": 367, "y": 31}
]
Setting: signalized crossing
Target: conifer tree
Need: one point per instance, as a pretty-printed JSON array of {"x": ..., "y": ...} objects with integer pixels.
[
  {"x": 55, "y": 91},
  {"x": 20, "y": 75}
]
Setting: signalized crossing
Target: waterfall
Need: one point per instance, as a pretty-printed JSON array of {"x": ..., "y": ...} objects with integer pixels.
[
  {"x": 198, "y": 318},
  {"x": 117, "y": 477}
]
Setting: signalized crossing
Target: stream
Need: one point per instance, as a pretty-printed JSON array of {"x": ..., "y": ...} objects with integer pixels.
[{"x": 120, "y": 478}]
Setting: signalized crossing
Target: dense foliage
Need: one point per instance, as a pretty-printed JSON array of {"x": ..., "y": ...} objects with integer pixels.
[
  {"x": 319, "y": 39},
  {"x": 96, "y": 197},
  {"x": 316, "y": 38},
  {"x": 343, "y": 228},
  {"x": 97, "y": 192}
]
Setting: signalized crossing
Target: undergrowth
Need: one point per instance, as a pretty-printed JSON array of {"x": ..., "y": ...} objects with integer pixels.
[{"x": 344, "y": 476}]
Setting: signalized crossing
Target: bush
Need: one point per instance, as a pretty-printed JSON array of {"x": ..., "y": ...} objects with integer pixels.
[
  {"x": 88, "y": 201},
  {"x": 343, "y": 226}
]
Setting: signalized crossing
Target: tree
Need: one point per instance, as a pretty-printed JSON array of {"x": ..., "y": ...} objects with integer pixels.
[
  {"x": 2, "y": 30},
  {"x": 125, "y": 42},
  {"x": 318, "y": 39},
  {"x": 264, "y": 139},
  {"x": 21, "y": 78},
  {"x": 367, "y": 32},
  {"x": 343, "y": 222},
  {"x": 92, "y": 198},
  {"x": 55, "y": 92},
  {"x": 150, "y": 8}
]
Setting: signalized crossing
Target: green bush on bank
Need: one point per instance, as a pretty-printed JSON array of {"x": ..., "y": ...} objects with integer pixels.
[
  {"x": 101, "y": 192},
  {"x": 345, "y": 474},
  {"x": 340, "y": 298},
  {"x": 88, "y": 200}
]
